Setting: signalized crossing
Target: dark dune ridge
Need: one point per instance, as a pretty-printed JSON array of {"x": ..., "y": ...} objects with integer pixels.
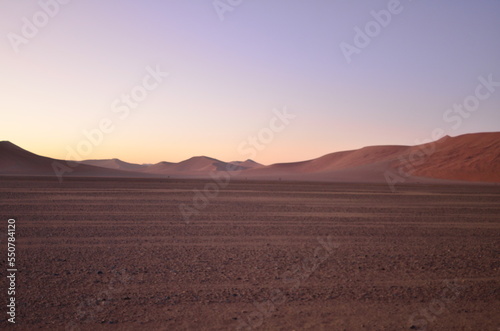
[{"x": 19, "y": 162}]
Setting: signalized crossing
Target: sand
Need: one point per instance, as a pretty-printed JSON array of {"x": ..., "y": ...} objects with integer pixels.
[
  {"x": 117, "y": 254},
  {"x": 466, "y": 158}
]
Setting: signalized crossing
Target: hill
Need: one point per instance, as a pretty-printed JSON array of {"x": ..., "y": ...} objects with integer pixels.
[{"x": 471, "y": 157}]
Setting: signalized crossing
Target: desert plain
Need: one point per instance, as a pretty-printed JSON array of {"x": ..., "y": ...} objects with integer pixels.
[{"x": 118, "y": 253}]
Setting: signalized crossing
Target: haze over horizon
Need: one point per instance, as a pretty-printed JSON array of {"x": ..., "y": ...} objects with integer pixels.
[
  {"x": 419, "y": 147},
  {"x": 227, "y": 79}
]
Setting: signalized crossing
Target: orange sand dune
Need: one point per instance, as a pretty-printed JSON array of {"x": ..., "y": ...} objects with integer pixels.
[
  {"x": 471, "y": 157},
  {"x": 248, "y": 164},
  {"x": 336, "y": 161},
  {"x": 198, "y": 165}
]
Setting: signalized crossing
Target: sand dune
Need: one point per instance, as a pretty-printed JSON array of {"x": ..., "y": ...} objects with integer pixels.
[
  {"x": 115, "y": 164},
  {"x": 470, "y": 157},
  {"x": 195, "y": 166},
  {"x": 366, "y": 164},
  {"x": 248, "y": 164},
  {"x": 17, "y": 161}
]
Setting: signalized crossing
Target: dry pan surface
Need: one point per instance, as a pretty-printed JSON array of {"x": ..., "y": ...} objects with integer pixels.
[{"x": 117, "y": 254}]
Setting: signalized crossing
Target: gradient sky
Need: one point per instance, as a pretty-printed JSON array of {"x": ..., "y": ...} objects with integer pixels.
[{"x": 226, "y": 77}]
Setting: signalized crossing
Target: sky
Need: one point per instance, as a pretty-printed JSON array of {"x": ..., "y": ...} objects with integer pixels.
[{"x": 276, "y": 81}]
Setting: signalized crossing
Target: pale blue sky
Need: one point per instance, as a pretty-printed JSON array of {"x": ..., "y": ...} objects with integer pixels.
[{"x": 226, "y": 77}]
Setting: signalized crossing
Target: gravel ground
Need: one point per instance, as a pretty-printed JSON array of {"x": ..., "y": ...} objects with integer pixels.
[{"x": 134, "y": 254}]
